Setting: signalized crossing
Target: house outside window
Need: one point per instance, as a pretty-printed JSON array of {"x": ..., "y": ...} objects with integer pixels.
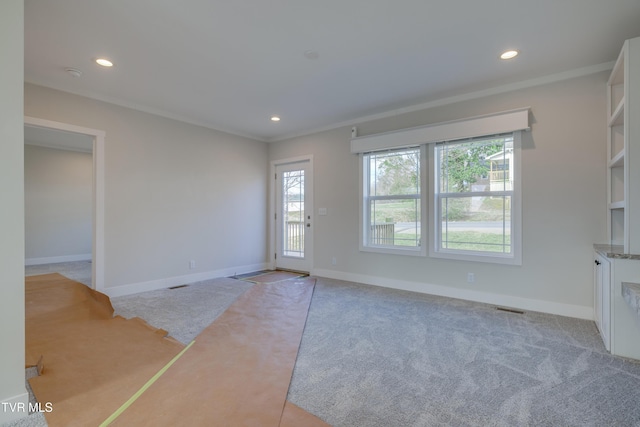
[
  {"x": 461, "y": 200},
  {"x": 476, "y": 199}
]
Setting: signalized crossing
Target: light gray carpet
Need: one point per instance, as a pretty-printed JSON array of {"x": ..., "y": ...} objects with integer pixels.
[
  {"x": 379, "y": 357},
  {"x": 80, "y": 271},
  {"x": 185, "y": 311}
]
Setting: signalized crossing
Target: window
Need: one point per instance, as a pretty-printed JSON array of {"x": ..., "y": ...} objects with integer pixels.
[
  {"x": 472, "y": 211},
  {"x": 476, "y": 182},
  {"x": 392, "y": 201}
]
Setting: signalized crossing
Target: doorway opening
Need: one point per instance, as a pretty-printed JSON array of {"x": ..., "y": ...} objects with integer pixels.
[{"x": 75, "y": 138}]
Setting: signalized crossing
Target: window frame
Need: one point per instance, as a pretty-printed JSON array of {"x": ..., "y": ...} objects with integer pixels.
[
  {"x": 515, "y": 257},
  {"x": 513, "y": 121},
  {"x": 365, "y": 219}
]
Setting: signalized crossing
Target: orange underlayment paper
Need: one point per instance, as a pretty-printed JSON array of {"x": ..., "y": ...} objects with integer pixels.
[{"x": 236, "y": 373}]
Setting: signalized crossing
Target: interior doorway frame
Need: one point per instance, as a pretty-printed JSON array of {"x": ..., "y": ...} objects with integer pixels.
[
  {"x": 273, "y": 208},
  {"x": 97, "y": 251}
]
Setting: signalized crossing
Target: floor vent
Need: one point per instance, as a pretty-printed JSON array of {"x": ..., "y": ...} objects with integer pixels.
[
  {"x": 178, "y": 287},
  {"x": 509, "y": 310}
]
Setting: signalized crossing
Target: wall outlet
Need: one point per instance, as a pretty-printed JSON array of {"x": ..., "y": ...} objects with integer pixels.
[
  {"x": 334, "y": 261},
  {"x": 471, "y": 278},
  {"x": 192, "y": 264}
]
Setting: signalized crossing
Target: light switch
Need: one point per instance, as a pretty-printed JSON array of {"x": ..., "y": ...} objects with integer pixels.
[{"x": 322, "y": 211}]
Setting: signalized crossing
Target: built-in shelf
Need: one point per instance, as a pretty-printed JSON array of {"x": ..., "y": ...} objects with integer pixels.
[
  {"x": 617, "y": 117},
  {"x": 617, "y": 74},
  {"x": 617, "y": 205},
  {"x": 617, "y": 160},
  {"x": 616, "y": 272},
  {"x": 623, "y": 155}
]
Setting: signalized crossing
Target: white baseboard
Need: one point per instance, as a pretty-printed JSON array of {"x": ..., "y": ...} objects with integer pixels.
[
  {"x": 550, "y": 307},
  {"x": 152, "y": 285},
  {"x": 57, "y": 259},
  {"x": 13, "y": 408}
]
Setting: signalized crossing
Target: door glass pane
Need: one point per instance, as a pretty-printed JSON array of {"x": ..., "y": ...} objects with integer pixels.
[{"x": 293, "y": 213}]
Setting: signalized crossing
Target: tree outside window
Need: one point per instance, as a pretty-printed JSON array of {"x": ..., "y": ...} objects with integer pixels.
[
  {"x": 474, "y": 195},
  {"x": 393, "y": 198}
]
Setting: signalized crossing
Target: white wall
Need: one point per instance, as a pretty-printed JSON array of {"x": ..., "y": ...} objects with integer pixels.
[
  {"x": 12, "y": 387},
  {"x": 563, "y": 184},
  {"x": 58, "y": 204},
  {"x": 174, "y": 192}
]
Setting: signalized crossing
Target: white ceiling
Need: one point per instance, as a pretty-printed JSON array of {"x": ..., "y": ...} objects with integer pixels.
[{"x": 231, "y": 65}]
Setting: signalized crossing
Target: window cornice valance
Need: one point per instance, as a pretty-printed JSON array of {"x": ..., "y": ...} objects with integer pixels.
[{"x": 490, "y": 124}]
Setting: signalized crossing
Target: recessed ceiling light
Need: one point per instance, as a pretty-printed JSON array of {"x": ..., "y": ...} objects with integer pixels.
[
  {"x": 104, "y": 62},
  {"x": 275, "y": 119},
  {"x": 509, "y": 54}
]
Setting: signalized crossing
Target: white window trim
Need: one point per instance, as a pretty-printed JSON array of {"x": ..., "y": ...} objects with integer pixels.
[
  {"x": 515, "y": 121},
  {"x": 516, "y": 216},
  {"x": 365, "y": 220}
]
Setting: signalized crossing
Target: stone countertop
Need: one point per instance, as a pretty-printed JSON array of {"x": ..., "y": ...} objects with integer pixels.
[
  {"x": 614, "y": 251},
  {"x": 631, "y": 294}
]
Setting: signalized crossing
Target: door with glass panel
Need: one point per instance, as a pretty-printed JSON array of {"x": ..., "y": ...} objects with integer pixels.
[{"x": 294, "y": 228}]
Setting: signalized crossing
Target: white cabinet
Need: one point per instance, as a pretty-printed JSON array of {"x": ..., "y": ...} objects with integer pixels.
[
  {"x": 618, "y": 324},
  {"x": 623, "y": 148},
  {"x": 602, "y": 297}
]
